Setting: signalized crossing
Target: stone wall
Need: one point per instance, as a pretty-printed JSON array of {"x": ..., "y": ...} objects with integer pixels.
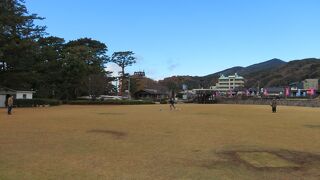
[{"x": 284, "y": 102}]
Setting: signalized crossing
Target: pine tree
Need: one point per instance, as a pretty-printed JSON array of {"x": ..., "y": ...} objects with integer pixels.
[{"x": 18, "y": 44}]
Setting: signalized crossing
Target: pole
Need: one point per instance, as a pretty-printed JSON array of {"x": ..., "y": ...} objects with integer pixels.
[
  {"x": 258, "y": 90},
  {"x": 129, "y": 94}
]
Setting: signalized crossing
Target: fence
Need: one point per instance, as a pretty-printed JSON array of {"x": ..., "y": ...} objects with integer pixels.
[{"x": 284, "y": 102}]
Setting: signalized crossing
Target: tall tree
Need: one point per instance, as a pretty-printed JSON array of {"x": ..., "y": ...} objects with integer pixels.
[
  {"x": 18, "y": 36},
  {"x": 49, "y": 67},
  {"x": 123, "y": 59},
  {"x": 84, "y": 68}
]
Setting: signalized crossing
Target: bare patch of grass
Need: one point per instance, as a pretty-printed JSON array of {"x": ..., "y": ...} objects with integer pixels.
[
  {"x": 265, "y": 160},
  {"x": 273, "y": 160}
]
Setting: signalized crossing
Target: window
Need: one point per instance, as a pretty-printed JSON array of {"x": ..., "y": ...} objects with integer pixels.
[{"x": 24, "y": 96}]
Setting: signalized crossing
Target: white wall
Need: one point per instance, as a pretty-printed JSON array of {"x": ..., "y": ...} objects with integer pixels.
[
  {"x": 19, "y": 95},
  {"x": 2, "y": 100}
]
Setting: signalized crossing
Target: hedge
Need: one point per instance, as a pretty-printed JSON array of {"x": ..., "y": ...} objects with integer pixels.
[
  {"x": 163, "y": 101},
  {"x": 53, "y": 102},
  {"x": 108, "y": 102},
  {"x": 36, "y": 102}
]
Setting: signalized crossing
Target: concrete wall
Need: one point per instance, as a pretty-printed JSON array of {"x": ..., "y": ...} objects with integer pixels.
[
  {"x": 2, "y": 100},
  {"x": 284, "y": 102},
  {"x": 19, "y": 95}
]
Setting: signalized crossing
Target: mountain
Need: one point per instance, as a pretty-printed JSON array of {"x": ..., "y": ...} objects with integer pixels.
[
  {"x": 274, "y": 72},
  {"x": 271, "y": 64},
  {"x": 292, "y": 71},
  {"x": 245, "y": 71}
]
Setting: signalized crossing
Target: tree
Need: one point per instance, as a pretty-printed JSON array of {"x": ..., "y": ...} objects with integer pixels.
[
  {"x": 18, "y": 46},
  {"x": 84, "y": 68},
  {"x": 96, "y": 57},
  {"x": 123, "y": 59},
  {"x": 53, "y": 68},
  {"x": 49, "y": 66}
]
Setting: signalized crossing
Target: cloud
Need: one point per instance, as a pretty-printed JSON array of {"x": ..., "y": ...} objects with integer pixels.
[
  {"x": 140, "y": 58},
  {"x": 172, "y": 65},
  {"x": 113, "y": 68}
]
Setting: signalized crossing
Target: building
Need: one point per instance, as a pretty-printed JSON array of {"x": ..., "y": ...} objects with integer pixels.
[
  {"x": 187, "y": 94},
  {"x": 228, "y": 83},
  {"x": 151, "y": 94},
  {"x": 274, "y": 92},
  {"x": 305, "y": 88},
  {"x": 139, "y": 74},
  {"x": 311, "y": 84},
  {"x": 205, "y": 95},
  {"x": 5, "y": 92}
]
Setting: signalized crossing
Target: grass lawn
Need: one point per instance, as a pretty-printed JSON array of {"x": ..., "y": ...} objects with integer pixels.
[{"x": 152, "y": 142}]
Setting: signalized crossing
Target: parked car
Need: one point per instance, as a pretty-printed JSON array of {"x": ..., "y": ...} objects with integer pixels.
[{"x": 106, "y": 97}]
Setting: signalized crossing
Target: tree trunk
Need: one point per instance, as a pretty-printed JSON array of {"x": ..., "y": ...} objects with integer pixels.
[{"x": 122, "y": 81}]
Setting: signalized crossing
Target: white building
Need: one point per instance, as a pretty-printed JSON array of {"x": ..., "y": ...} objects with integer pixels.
[
  {"x": 5, "y": 92},
  {"x": 229, "y": 83}
]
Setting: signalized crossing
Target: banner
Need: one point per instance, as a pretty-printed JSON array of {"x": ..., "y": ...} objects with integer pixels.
[
  {"x": 265, "y": 92},
  {"x": 287, "y": 91}
]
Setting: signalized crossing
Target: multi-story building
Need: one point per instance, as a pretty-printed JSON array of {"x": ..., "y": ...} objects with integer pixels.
[{"x": 229, "y": 83}]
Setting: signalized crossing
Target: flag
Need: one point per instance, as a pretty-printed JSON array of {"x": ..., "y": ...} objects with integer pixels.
[
  {"x": 265, "y": 92},
  {"x": 287, "y": 91}
]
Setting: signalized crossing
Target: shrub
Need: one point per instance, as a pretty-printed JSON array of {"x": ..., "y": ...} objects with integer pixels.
[
  {"x": 36, "y": 102},
  {"x": 163, "y": 101}
]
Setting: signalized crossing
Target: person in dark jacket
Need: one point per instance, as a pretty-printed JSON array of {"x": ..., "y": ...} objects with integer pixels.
[
  {"x": 274, "y": 105},
  {"x": 171, "y": 102}
]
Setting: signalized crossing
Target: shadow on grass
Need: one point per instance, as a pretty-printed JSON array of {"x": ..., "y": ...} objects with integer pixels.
[
  {"x": 112, "y": 114},
  {"x": 204, "y": 114},
  {"x": 312, "y": 126},
  {"x": 116, "y": 134}
]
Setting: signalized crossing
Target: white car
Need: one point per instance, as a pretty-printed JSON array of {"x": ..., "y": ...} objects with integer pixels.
[{"x": 106, "y": 97}]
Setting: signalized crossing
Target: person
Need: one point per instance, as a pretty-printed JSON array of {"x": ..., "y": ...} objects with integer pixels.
[
  {"x": 171, "y": 102},
  {"x": 274, "y": 106},
  {"x": 10, "y": 104}
]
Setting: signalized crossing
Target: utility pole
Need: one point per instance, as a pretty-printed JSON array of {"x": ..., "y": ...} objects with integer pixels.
[
  {"x": 117, "y": 87},
  {"x": 258, "y": 90},
  {"x": 129, "y": 94}
]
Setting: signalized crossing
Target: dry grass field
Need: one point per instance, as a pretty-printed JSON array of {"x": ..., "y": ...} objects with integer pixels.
[{"x": 152, "y": 142}]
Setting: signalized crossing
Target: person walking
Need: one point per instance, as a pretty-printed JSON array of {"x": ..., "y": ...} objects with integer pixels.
[
  {"x": 10, "y": 104},
  {"x": 274, "y": 106},
  {"x": 171, "y": 102}
]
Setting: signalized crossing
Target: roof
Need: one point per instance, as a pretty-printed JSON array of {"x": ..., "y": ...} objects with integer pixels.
[
  {"x": 5, "y": 90},
  {"x": 275, "y": 89},
  {"x": 151, "y": 91},
  {"x": 231, "y": 76}
]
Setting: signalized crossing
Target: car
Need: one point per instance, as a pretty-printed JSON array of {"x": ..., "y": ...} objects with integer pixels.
[{"x": 106, "y": 97}]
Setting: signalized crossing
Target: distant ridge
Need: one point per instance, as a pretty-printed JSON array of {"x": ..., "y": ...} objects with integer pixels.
[
  {"x": 274, "y": 72},
  {"x": 243, "y": 71},
  {"x": 292, "y": 71}
]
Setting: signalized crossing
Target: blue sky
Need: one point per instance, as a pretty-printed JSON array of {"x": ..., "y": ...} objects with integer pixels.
[{"x": 189, "y": 37}]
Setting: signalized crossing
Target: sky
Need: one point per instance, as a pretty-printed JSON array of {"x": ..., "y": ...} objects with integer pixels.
[{"x": 189, "y": 37}]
